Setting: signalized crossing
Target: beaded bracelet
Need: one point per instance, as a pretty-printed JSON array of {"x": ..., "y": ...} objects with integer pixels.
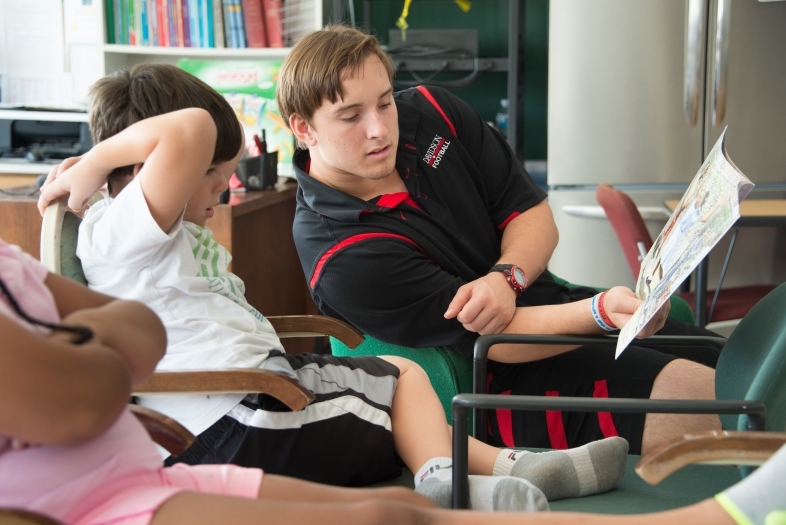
[{"x": 599, "y": 314}]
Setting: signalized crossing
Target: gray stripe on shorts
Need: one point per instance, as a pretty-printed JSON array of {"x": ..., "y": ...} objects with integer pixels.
[
  {"x": 329, "y": 378},
  {"x": 311, "y": 414}
]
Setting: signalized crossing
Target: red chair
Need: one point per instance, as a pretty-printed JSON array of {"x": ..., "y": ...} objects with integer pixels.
[{"x": 624, "y": 216}]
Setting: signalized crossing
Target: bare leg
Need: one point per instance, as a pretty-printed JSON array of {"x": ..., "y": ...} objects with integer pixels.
[
  {"x": 190, "y": 508},
  {"x": 419, "y": 426},
  {"x": 283, "y": 488},
  {"x": 680, "y": 379}
]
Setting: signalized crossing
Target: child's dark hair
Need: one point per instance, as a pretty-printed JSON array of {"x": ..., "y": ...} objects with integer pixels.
[
  {"x": 82, "y": 334},
  {"x": 148, "y": 90}
]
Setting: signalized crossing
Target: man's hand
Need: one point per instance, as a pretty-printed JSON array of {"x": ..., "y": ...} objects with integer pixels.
[
  {"x": 620, "y": 303},
  {"x": 76, "y": 176},
  {"x": 485, "y": 305}
]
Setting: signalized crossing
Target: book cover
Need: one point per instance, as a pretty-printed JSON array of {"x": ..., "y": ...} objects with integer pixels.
[
  {"x": 229, "y": 23},
  {"x": 207, "y": 23},
  {"x": 250, "y": 88},
  {"x": 121, "y": 27},
  {"x": 152, "y": 17},
  {"x": 130, "y": 21},
  {"x": 218, "y": 24},
  {"x": 110, "y": 22},
  {"x": 140, "y": 22},
  {"x": 184, "y": 9},
  {"x": 193, "y": 23},
  {"x": 240, "y": 29},
  {"x": 274, "y": 19},
  {"x": 163, "y": 23},
  {"x": 254, "y": 23},
  {"x": 179, "y": 28}
]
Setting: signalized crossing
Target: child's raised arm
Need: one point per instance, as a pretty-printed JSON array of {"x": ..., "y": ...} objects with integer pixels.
[{"x": 174, "y": 151}]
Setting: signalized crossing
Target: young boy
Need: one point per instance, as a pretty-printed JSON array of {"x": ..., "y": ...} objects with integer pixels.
[{"x": 166, "y": 144}]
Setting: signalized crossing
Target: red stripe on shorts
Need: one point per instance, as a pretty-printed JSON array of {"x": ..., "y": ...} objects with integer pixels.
[
  {"x": 604, "y": 418},
  {"x": 555, "y": 426}
]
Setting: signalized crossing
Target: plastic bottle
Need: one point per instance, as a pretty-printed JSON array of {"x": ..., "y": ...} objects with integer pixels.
[{"x": 502, "y": 117}]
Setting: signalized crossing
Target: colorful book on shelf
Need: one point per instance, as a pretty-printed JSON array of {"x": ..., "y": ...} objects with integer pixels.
[
  {"x": 254, "y": 22},
  {"x": 229, "y": 23},
  {"x": 193, "y": 23},
  {"x": 131, "y": 21},
  {"x": 274, "y": 20},
  {"x": 179, "y": 27},
  {"x": 207, "y": 23},
  {"x": 240, "y": 28},
  {"x": 218, "y": 24},
  {"x": 143, "y": 23},
  {"x": 110, "y": 22},
  {"x": 185, "y": 7}
]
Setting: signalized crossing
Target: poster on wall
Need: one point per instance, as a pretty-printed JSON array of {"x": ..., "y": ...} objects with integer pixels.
[{"x": 250, "y": 88}]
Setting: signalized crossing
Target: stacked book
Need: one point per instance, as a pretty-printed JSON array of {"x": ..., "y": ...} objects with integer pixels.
[{"x": 195, "y": 23}]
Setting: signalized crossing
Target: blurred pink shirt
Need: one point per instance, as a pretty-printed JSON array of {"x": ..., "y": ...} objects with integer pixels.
[{"x": 59, "y": 481}]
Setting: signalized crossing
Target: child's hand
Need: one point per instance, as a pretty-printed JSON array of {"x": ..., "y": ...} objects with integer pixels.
[
  {"x": 620, "y": 303},
  {"x": 76, "y": 176}
]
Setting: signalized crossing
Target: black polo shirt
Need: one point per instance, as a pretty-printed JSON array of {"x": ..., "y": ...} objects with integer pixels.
[{"x": 391, "y": 266}]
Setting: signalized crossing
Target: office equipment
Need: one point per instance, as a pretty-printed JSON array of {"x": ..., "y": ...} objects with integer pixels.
[{"x": 38, "y": 136}]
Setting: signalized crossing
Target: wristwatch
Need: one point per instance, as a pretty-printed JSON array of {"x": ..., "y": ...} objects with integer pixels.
[{"x": 516, "y": 277}]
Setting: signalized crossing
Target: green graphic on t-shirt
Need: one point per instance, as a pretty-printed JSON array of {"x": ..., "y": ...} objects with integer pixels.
[{"x": 212, "y": 260}]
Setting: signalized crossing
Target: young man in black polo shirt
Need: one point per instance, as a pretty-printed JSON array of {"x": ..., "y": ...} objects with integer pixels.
[{"x": 416, "y": 223}]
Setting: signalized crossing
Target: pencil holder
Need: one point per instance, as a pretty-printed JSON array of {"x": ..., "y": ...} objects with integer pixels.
[{"x": 259, "y": 173}]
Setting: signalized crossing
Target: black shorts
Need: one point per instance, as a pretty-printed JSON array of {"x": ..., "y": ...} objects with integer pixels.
[
  {"x": 589, "y": 371},
  {"x": 343, "y": 437}
]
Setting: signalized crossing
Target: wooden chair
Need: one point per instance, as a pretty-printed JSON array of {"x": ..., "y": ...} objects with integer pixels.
[{"x": 59, "y": 232}]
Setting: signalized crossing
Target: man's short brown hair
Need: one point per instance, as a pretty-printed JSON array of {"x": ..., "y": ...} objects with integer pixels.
[
  {"x": 314, "y": 69},
  {"x": 147, "y": 90}
]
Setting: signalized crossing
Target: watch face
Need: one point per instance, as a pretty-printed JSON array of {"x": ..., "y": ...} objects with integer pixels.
[{"x": 519, "y": 276}]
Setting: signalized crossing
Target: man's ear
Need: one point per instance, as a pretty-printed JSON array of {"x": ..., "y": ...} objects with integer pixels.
[{"x": 302, "y": 130}]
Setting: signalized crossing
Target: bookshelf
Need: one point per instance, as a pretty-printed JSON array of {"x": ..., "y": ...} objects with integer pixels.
[{"x": 300, "y": 17}]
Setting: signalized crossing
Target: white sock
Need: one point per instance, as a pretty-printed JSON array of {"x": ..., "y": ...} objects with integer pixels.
[
  {"x": 505, "y": 460},
  {"x": 491, "y": 493},
  {"x": 439, "y": 467}
]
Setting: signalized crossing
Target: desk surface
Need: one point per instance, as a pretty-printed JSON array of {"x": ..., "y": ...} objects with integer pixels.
[{"x": 754, "y": 212}]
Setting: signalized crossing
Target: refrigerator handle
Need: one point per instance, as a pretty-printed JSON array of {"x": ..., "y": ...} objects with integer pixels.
[
  {"x": 695, "y": 22},
  {"x": 721, "y": 65}
]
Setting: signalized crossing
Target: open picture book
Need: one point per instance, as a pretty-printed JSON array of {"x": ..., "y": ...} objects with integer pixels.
[{"x": 710, "y": 206}]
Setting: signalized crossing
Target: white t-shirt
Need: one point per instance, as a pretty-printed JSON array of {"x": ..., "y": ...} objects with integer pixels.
[{"x": 183, "y": 277}]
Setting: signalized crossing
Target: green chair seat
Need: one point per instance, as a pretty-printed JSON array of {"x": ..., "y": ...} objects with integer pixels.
[{"x": 451, "y": 374}]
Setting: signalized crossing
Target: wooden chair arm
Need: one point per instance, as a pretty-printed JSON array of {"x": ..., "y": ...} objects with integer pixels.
[
  {"x": 315, "y": 326},
  {"x": 23, "y": 517},
  {"x": 725, "y": 447},
  {"x": 164, "y": 430},
  {"x": 228, "y": 381}
]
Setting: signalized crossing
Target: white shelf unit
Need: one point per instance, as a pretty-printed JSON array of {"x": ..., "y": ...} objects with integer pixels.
[{"x": 300, "y": 17}]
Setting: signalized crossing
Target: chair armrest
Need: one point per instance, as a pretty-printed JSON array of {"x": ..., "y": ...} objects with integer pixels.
[
  {"x": 228, "y": 381},
  {"x": 315, "y": 326},
  {"x": 725, "y": 447},
  {"x": 755, "y": 410},
  {"x": 23, "y": 517},
  {"x": 164, "y": 430},
  {"x": 485, "y": 342}
]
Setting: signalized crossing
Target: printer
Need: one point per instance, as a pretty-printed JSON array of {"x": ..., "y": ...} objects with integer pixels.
[{"x": 43, "y": 135}]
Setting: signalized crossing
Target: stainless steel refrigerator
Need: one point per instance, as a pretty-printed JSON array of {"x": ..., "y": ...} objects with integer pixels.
[{"x": 639, "y": 91}]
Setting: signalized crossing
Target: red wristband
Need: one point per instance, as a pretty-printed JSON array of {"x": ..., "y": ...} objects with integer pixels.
[{"x": 602, "y": 311}]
